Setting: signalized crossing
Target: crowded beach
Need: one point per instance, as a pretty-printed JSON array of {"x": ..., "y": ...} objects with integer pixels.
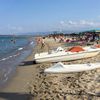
[
  {"x": 39, "y": 85},
  {"x": 66, "y": 86}
]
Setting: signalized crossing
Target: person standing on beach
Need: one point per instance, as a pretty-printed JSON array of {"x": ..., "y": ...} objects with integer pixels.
[{"x": 40, "y": 43}]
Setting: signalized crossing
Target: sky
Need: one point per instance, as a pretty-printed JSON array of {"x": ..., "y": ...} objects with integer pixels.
[{"x": 22, "y": 16}]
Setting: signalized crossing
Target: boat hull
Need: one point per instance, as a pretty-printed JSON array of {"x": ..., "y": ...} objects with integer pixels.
[
  {"x": 66, "y": 57},
  {"x": 60, "y": 68}
]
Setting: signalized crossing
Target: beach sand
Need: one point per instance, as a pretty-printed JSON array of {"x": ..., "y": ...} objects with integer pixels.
[
  {"x": 70, "y": 86},
  {"x": 30, "y": 83}
]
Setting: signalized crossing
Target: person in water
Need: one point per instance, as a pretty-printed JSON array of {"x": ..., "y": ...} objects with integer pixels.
[{"x": 13, "y": 41}]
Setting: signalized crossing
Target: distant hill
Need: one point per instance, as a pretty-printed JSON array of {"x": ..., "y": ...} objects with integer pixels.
[
  {"x": 42, "y": 33},
  {"x": 46, "y": 33}
]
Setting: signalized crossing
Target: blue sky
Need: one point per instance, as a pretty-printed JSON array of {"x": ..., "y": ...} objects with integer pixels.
[{"x": 19, "y": 16}]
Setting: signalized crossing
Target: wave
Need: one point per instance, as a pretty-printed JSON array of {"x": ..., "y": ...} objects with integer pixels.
[
  {"x": 3, "y": 59},
  {"x": 5, "y": 79},
  {"x": 18, "y": 53},
  {"x": 32, "y": 42},
  {"x": 20, "y": 48},
  {"x": 8, "y": 72}
]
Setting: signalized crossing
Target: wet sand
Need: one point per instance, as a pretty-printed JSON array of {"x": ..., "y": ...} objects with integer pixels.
[{"x": 30, "y": 83}]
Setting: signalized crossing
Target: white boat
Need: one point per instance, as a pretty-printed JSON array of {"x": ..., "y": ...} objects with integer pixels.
[
  {"x": 63, "y": 55},
  {"x": 61, "y": 68}
]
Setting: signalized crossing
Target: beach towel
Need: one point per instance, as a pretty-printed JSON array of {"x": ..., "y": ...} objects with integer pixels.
[{"x": 76, "y": 49}]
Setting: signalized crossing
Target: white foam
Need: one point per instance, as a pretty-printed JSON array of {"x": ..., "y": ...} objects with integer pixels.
[
  {"x": 32, "y": 42},
  {"x": 7, "y": 72},
  {"x": 15, "y": 55},
  {"x": 20, "y": 48},
  {"x": 10, "y": 56},
  {"x": 5, "y": 75},
  {"x": 4, "y": 59},
  {"x": 5, "y": 79}
]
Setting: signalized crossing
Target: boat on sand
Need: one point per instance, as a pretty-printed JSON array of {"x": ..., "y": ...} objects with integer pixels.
[
  {"x": 73, "y": 53},
  {"x": 61, "y": 68}
]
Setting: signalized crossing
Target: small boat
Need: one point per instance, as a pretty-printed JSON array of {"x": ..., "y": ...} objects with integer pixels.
[
  {"x": 61, "y": 68},
  {"x": 66, "y": 55}
]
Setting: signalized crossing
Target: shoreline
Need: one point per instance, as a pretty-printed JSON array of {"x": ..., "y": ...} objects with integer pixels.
[
  {"x": 11, "y": 60},
  {"x": 17, "y": 87}
]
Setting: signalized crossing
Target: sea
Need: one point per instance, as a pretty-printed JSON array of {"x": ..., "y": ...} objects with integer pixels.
[{"x": 13, "y": 50}]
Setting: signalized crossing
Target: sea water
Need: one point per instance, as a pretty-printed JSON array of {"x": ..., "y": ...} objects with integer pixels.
[{"x": 13, "y": 50}]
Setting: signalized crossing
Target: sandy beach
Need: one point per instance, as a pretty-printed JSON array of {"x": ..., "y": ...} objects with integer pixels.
[{"x": 30, "y": 83}]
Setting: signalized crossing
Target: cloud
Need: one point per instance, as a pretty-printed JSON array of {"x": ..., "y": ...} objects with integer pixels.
[
  {"x": 88, "y": 23},
  {"x": 14, "y": 28},
  {"x": 62, "y": 22},
  {"x": 98, "y": 16},
  {"x": 80, "y": 24},
  {"x": 71, "y": 22}
]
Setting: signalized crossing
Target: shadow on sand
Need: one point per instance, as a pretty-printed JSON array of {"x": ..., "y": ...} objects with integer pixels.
[
  {"x": 25, "y": 63},
  {"x": 15, "y": 96}
]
